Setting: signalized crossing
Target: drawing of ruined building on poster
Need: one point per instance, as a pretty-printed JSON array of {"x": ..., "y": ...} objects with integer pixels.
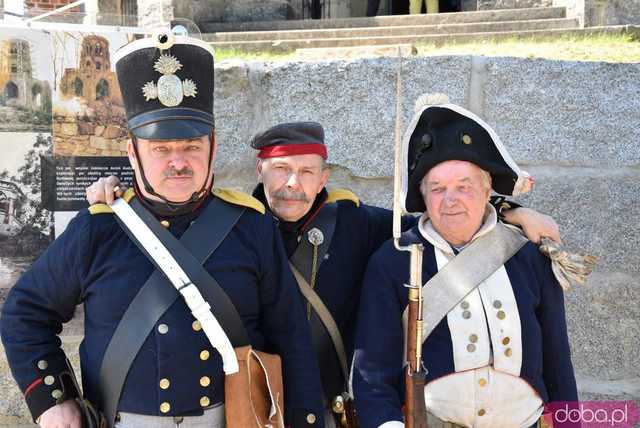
[
  {"x": 12, "y": 198},
  {"x": 25, "y": 91},
  {"x": 88, "y": 114}
]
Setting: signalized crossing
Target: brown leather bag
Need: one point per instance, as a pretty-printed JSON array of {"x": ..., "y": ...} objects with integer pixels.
[{"x": 254, "y": 397}]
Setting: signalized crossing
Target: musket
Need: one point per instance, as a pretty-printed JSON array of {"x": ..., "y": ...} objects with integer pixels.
[{"x": 415, "y": 409}]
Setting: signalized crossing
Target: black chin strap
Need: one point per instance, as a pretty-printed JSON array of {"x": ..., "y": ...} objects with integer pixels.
[{"x": 170, "y": 208}]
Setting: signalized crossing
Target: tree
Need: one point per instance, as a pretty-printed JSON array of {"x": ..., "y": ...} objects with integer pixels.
[{"x": 34, "y": 217}]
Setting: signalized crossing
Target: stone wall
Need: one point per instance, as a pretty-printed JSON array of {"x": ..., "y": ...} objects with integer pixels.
[
  {"x": 572, "y": 125},
  {"x": 611, "y": 12}
]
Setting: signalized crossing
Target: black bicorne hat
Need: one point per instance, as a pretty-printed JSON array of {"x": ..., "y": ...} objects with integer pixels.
[
  {"x": 167, "y": 86},
  {"x": 444, "y": 132}
]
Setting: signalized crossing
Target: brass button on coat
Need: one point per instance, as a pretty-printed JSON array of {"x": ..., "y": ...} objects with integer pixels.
[
  {"x": 482, "y": 381},
  {"x": 56, "y": 394},
  {"x": 506, "y": 341},
  {"x": 49, "y": 380},
  {"x": 205, "y": 381},
  {"x": 164, "y": 383},
  {"x": 163, "y": 329},
  {"x": 204, "y": 355},
  {"x": 473, "y": 338},
  {"x": 466, "y": 139},
  {"x": 501, "y": 315},
  {"x": 464, "y": 304},
  {"x": 196, "y": 326},
  {"x": 165, "y": 407},
  {"x": 466, "y": 315},
  {"x": 165, "y": 223},
  {"x": 471, "y": 347},
  {"x": 311, "y": 418},
  {"x": 497, "y": 304},
  {"x": 481, "y": 412},
  {"x": 204, "y": 401},
  {"x": 42, "y": 365},
  {"x": 508, "y": 352}
]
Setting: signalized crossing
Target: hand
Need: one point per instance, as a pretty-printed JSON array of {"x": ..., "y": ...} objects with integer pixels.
[
  {"x": 534, "y": 224},
  {"x": 66, "y": 414},
  {"x": 105, "y": 190}
]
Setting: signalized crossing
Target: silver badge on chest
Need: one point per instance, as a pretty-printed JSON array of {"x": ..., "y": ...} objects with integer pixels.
[
  {"x": 169, "y": 90},
  {"x": 315, "y": 236}
]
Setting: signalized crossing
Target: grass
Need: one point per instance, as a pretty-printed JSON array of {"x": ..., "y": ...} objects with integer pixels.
[
  {"x": 601, "y": 47},
  {"x": 621, "y": 48},
  {"x": 222, "y": 54}
]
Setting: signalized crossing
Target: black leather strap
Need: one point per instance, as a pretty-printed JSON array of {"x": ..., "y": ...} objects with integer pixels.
[
  {"x": 302, "y": 258},
  {"x": 333, "y": 381},
  {"x": 157, "y": 295}
]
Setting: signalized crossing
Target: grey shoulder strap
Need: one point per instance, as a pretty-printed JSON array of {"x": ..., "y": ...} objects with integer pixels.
[
  {"x": 325, "y": 316},
  {"x": 465, "y": 272}
]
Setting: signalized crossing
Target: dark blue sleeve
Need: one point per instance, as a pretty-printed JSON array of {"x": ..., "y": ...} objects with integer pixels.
[
  {"x": 558, "y": 371},
  {"x": 377, "y": 373},
  {"x": 287, "y": 332},
  {"x": 42, "y": 300},
  {"x": 380, "y": 225}
]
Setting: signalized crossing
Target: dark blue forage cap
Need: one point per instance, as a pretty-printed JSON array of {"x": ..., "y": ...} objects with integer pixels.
[
  {"x": 290, "y": 139},
  {"x": 167, "y": 86}
]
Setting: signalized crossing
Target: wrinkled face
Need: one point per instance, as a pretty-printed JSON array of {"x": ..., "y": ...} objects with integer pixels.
[
  {"x": 456, "y": 194},
  {"x": 175, "y": 169},
  {"x": 291, "y": 183}
]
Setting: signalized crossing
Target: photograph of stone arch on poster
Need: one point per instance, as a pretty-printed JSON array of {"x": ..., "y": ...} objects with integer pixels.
[
  {"x": 26, "y": 80},
  {"x": 88, "y": 115}
]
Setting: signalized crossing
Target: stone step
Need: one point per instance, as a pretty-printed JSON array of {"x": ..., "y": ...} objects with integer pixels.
[
  {"x": 438, "y": 39},
  {"x": 409, "y": 30},
  {"x": 390, "y": 21}
]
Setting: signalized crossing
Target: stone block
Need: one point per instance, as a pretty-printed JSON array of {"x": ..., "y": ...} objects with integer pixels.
[
  {"x": 355, "y": 100},
  {"x": 611, "y": 12},
  {"x": 563, "y": 112},
  {"x": 68, "y": 128},
  {"x": 98, "y": 130},
  {"x": 85, "y": 128},
  {"x": 100, "y": 143},
  {"x": 112, "y": 132},
  {"x": 597, "y": 211}
]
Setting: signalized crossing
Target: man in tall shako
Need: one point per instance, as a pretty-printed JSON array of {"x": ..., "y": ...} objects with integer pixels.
[
  {"x": 176, "y": 377},
  {"x": 497, "y": 350},
  {"x": 329, "y": 236}
]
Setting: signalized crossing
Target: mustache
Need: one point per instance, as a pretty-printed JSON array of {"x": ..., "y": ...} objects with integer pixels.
[
  {"x": 290, "y": 195},
  {"x": 173, "y": 172}
]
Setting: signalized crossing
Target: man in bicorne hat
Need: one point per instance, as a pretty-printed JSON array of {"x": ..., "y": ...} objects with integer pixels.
[
  {"x": 328, "y": 235},
  {"x": 176, "y": 377},
  {"x": 495, "y": 345}
]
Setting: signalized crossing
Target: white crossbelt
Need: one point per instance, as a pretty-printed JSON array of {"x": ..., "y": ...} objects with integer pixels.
[{"x": 200, "y": 309}]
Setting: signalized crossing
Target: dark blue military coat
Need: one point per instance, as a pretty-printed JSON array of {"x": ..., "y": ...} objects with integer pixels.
[
  {"x": 378, "y": 376},
  {"x": 176, "y": 372},
  {"x": 360, "y": 229}
]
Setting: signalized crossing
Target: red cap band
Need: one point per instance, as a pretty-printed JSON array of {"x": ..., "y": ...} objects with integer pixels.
[{"x": 292, "y": 150}]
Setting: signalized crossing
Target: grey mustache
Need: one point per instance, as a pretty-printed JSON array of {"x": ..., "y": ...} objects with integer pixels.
[
  {"x": 287, "y": 194},
  {"x": 184, "y": 172}
]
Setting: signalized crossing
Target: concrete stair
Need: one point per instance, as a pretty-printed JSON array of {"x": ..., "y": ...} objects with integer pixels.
[
  {"x": 387, "y": 30},
  {"x": 390, "y": 21}
]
